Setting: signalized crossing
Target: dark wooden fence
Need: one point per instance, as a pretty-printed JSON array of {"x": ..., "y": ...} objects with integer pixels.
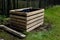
[{"x": 7, "y": 5}]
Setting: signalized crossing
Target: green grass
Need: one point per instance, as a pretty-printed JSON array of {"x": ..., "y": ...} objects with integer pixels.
[
  {"x": 3, "y": 19},
  {"x": 52, "y": 15}
]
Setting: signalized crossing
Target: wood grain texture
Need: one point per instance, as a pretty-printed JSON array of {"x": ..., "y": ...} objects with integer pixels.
[
  {"x": 18, "y": 20},
  {"x": 19, "y": 13},
  {"x": 27, "y": 20},
  {"x": 33, "y": 20},
  {"x": 34, "y": 23},
  {"x": 14, "y": 32},
  {"x": 27, "y": 13},
  {"x": 30, "y": 29},
  {"x": 35, "y": 16},
  {"x": 18, "y": 17},
  {"x": 20, "y": 9},
  {"x": 35, "y": 12}
]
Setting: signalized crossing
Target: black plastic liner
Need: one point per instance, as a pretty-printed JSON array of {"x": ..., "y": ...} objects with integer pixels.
[{"x": 29, "y": 10}]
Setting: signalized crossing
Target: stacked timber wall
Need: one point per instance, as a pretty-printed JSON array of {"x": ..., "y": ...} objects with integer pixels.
[{"x": 27, "y": 20}]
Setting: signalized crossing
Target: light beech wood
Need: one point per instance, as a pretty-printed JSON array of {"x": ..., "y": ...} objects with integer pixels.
[
  {"x": 33, "y": 20},
  {"x": 18, "y": 17},
  {"x": 35, "y": 12},
  {"x": 14, "y": 32},
  {"x": 27, "y": 20},
  {"x": 34, "y": 23},
  {"x": 30, "y": 29},
  {"x": 34, "y": 16}
]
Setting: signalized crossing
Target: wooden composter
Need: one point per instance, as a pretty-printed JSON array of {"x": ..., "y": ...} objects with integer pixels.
[{"x": 26, "y": 19}]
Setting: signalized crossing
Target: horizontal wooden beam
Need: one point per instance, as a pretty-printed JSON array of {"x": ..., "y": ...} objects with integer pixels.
[
  {"x": 34, "y": 23},
  {"x": 19, "y": 34},
  {"x": 28, "y": 30}
]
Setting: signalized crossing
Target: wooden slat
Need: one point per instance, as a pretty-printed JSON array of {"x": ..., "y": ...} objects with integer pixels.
[
  {"x": 18, "y": 20},
  {"x": 32, "y": 24},
  {"x": 19, "y": 23},
  {"x": 27, "y": 18},
  {"x": 18, "y": 17},
  {"x": 24, "y": 21},
  {"x": 28, "y": 14},
  {"x": 37, "y": 15},
  {"x": 31, "y": 21},
  {"x": 19, "y": 13},
  {"x": 14, "y": 32},
  {"x": 34, "y": 27},
  {"x": 34, "y": 12},
  {"x": 23, "y": 9},
  {"x": 26, "y": 26},
  {"x": 20, "y": 9}
]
